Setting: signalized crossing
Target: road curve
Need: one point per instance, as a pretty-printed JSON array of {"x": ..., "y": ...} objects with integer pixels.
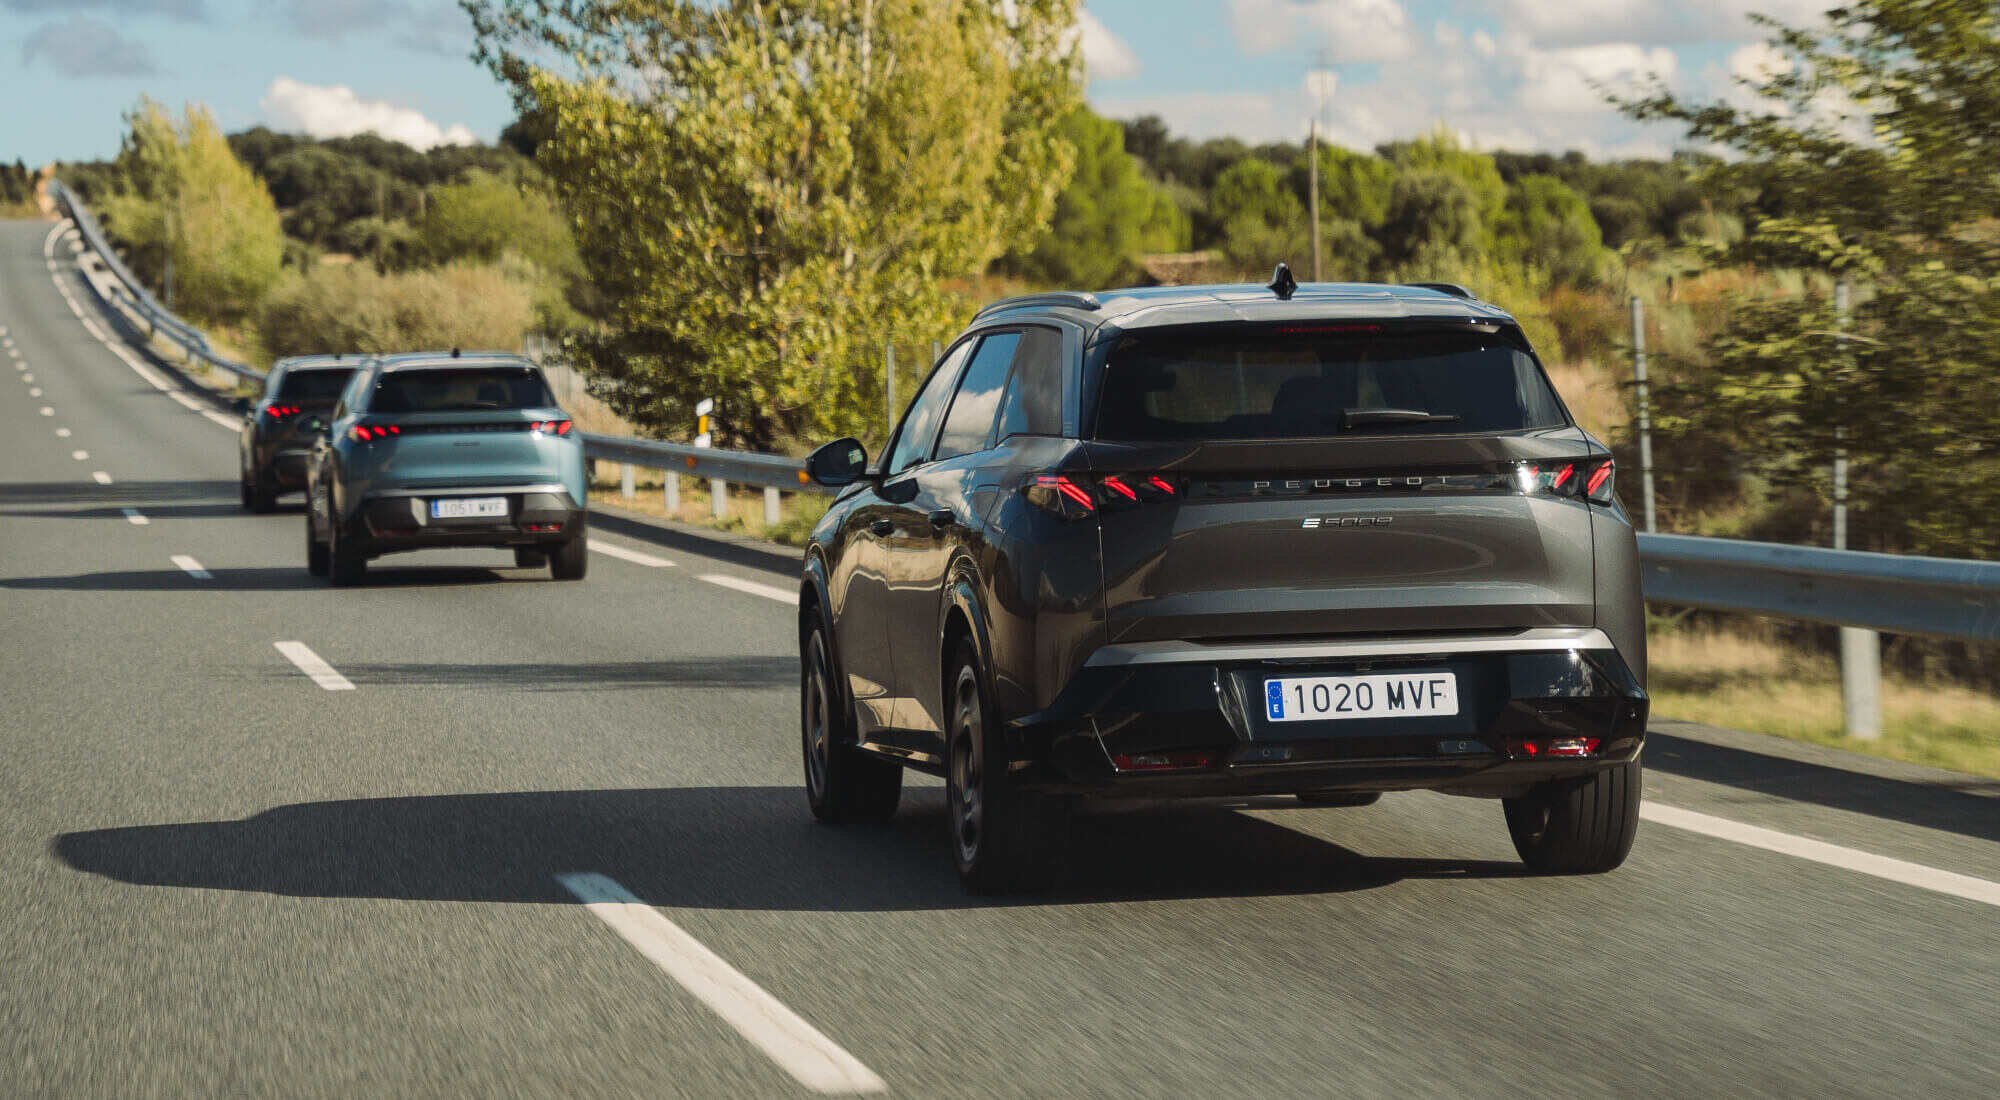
[{"x": 225, "y": 872}]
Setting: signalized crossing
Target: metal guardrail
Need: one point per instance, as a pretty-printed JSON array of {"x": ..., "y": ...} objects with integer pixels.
[
  {"x": 1899, "y": 594},
  {"x": 135, "y": 299},
  {"x": 1932, "y": 597}
]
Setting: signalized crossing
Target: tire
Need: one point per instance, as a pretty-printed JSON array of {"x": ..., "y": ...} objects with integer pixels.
[
  {"x": 843, "y": 784},
  {"x": 570, "y": 560},
  {"x": 344, "y": 567},
  {"x": 527, "y": 557},
  {"x": 316, "y": 557},
  {"x": 263, "y": 499},
  {"x": 1578, "y": 826},
  {"x": 1340, "y": 798},
  {"x": 247, "y": 494},
  {"x": 1004, "y": 839}
]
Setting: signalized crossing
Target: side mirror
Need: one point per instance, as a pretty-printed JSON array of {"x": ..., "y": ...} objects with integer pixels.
[
  {"x": 241, "y": 406},
  {"x": 838, "y": 464}
]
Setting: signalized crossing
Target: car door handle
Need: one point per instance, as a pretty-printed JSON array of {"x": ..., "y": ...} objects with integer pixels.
[
  {"x": 882, "y": 526},
  {"x": 942, "y": 518}
]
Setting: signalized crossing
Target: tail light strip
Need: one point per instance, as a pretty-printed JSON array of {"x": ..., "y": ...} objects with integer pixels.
[{"x": 1074, "y": 496}]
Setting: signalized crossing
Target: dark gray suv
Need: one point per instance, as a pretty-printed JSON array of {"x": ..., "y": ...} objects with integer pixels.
[{"x": 1326, "y": 540}]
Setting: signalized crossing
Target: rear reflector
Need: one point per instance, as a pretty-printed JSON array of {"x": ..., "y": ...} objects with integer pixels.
[
  {"x": 1534, "y": 748},
  {"x": 541, "y": 528},
  {"x": 1162, "y": 761}
]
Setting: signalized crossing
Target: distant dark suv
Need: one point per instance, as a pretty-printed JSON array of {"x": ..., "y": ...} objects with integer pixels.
[
  {"x": 1326, "y": 540},
  {"x": 280, "y": 427}
]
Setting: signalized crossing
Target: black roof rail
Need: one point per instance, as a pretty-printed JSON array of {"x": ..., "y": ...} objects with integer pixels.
[
  {"x": 1452, "y": 289},
  {"x": 1068, "y": 299}
]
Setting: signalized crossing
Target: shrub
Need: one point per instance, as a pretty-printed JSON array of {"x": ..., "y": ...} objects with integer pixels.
[{"x": 354, "y": 308}]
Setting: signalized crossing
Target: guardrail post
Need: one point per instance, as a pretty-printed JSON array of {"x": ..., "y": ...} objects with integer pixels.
[
  {"x": 718, "y": 497},
  {"x": 770, "y": 507},
  {"x": 673, "y": 494},
  {"x": 626, "y": 483},
  {"x": 1861, "y": 683}
]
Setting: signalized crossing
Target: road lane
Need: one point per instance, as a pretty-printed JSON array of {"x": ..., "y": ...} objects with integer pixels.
[{"x": 239, "y": 881}]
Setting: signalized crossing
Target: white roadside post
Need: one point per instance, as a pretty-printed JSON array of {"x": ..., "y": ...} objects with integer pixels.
[
  {"x": 673, "y": 494},
  {"x": 770, "y": 506},
  {"x": 1860, "y": 649},
  {"x": 718, "y": 491},
  {"x": 625, "y": 483}
]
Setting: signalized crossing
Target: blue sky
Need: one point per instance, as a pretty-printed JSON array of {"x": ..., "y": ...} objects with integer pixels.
[{"x": 1504, "y": 73}]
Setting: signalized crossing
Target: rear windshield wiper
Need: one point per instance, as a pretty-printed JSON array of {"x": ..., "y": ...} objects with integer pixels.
[{"x": 1354, "y": 418}]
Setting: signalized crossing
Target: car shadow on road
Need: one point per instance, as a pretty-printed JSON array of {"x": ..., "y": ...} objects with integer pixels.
[
  {"x": 82, "y": 499},
  {"x": 273, "y": 579},
  {"x": 745, "y": 671},
  {"x": 711, "y": 848}
]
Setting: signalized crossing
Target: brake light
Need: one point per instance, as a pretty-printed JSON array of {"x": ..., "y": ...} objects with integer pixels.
[
  {"x": 551, "y": 427},
  {"x": 363, "y": 433},
  {"x": 1074, "y": 497},
  {"x": 1112, "y": 483},
  {"x": 280, "y": 412},
  {"x": 1570, "y": 748},
  {"x": 1591, "y": 479}
]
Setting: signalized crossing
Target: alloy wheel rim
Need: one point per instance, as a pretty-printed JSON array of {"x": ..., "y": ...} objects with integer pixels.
[
  {"x": 816, "y": 711},
  {"x": 967, "y": 787}
]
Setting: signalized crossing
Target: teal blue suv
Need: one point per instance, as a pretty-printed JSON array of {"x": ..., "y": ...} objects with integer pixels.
[{"x": 442, "y": 449}]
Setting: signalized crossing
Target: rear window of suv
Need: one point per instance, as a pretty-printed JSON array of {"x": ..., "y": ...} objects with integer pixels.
[
  {"x": 313, "y": 385},
  {"x": 1308, "y": 381},
  {"x": 456, "y": 389}
]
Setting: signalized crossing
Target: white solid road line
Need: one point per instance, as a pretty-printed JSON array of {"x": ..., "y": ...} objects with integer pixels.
[
  {"x": 100, "y": 477},
  {"x": 80, "y": 456},
  {"x": 768, "y": 591},
  {"x": 309, "y": 663},
  {"x": 135, "y": 517},
  {"x": 599, "y": 546},
  {"x": 1818, "y": 851},
  {"x": 798, "y": 1048},
  {"x": 192, "y": 568}
]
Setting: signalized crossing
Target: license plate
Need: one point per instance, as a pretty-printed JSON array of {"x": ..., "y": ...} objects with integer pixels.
[
  {"x": 468, "y": 507},
  {"x": 1388, "y": 695}
]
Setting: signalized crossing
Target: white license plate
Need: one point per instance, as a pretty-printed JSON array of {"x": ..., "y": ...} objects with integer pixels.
[
  {"x": 1388, "y": 695},
  {"x": 468, "y": 507}
]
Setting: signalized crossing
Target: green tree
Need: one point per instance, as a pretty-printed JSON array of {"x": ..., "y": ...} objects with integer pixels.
[
  {"x": 1433, "y": 221},
  {"x": 1870, "y": 156},
  {"x": 766, "y": 190},
  {"x": 1440, "y": 152},
  {"x": 1262, "y": 220},
  {"x": 1108, "y": 213},
  {"x": 189, "y": 201},
  {"x": 1546, "y": 225}
]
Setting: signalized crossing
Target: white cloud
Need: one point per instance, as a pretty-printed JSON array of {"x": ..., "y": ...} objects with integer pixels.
[
  {"x": 1650, "y": 22},
  {"x": 1251, "y": 116},
  {"x": 325, "y": 111},
  {"x": 1105, "y": 55},
  {"x": 1560, "y": 80},
  {"x": 1347, "y": 30}
]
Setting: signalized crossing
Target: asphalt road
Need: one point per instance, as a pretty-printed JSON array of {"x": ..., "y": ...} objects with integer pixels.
[{"x": 220, "y": 877}]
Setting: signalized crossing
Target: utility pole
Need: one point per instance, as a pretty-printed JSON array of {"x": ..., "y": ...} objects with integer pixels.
[
  {"x": 1645, "y": 409},
  {"x": 1860, "y": 649},
  {"x": 889, "y": 386},
  {"x": 1312, "y": 154}
]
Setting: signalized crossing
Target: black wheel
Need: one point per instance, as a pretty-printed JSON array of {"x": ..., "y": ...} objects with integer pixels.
[
  {"x": 247, "y": 493},
  {"x": 570, "y": 560},
  {"x": 316, "y": 562},
  {"x": 1578, "y": 826},
  {"x": 344, "y": 565},
  {"x": 527, "y": 557},
  {"x": 262, "y": 496},
  {"x": 1003, "y": 838},
  {"x": 843, "y": 784},
  {"x": 1340, "y": 798}
]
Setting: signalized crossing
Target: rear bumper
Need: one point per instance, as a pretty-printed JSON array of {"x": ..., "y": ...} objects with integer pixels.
[
  {"x": 1537, "y": 686},
  {"x": 400, "y": 519}
]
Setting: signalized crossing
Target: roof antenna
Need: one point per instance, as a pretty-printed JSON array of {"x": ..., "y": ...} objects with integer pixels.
[
  {"x": 454, "y": 353},
  {"x": 1282, "y": 284}
]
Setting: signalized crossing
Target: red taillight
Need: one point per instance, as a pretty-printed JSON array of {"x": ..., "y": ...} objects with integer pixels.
[
  {"x": 280, "y": 412},
  {"x": 1598, "y": 488},
  {"x": 1162, "y": 761},
  {"x": 1590, "y": 480},
  {"x": 551, "y": 427},
  {"x": 1562, "y": 479},
  {"x": 361, "y": 433},
  {"x": 1162, "y": 484},
  {"x": 1573, "y": 746},
  {"x": 1115, "y": 485},
  {"x": 1563, "y": 747}
]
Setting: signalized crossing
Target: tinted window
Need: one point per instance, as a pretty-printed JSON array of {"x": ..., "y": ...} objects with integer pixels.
[
  {"x": 1033, "y": 405},
  {"x": 969, "y": 427},
  {"x": 1293, "y": 381},
  {"x": 460, "y": 389},
  {"x": 313, "y": 385},
  {"x": 920, "y": 424}
]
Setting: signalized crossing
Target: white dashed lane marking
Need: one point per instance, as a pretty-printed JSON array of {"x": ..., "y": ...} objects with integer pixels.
[
  {"x": 192, "y": 568},
  {"x": 135, "y": 517},
  {"x": 100, "y": 477},
  {"x": 80, "y": 456},
  {"x": 798, "y": 1048},
  {"x": 62, "y": 433},
  {"x": 308, "y": 662},
  {"x": 47, "y": 411},
  {"x": 768, "y": 591},
  {"x": 599, "y": 546}
]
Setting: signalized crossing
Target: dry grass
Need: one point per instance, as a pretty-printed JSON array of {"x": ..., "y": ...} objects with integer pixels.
[
  {"x": 1746, "y": 683},
  {"x": 797, "y": 511},
  {"x": 1591, "y": 392}
]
